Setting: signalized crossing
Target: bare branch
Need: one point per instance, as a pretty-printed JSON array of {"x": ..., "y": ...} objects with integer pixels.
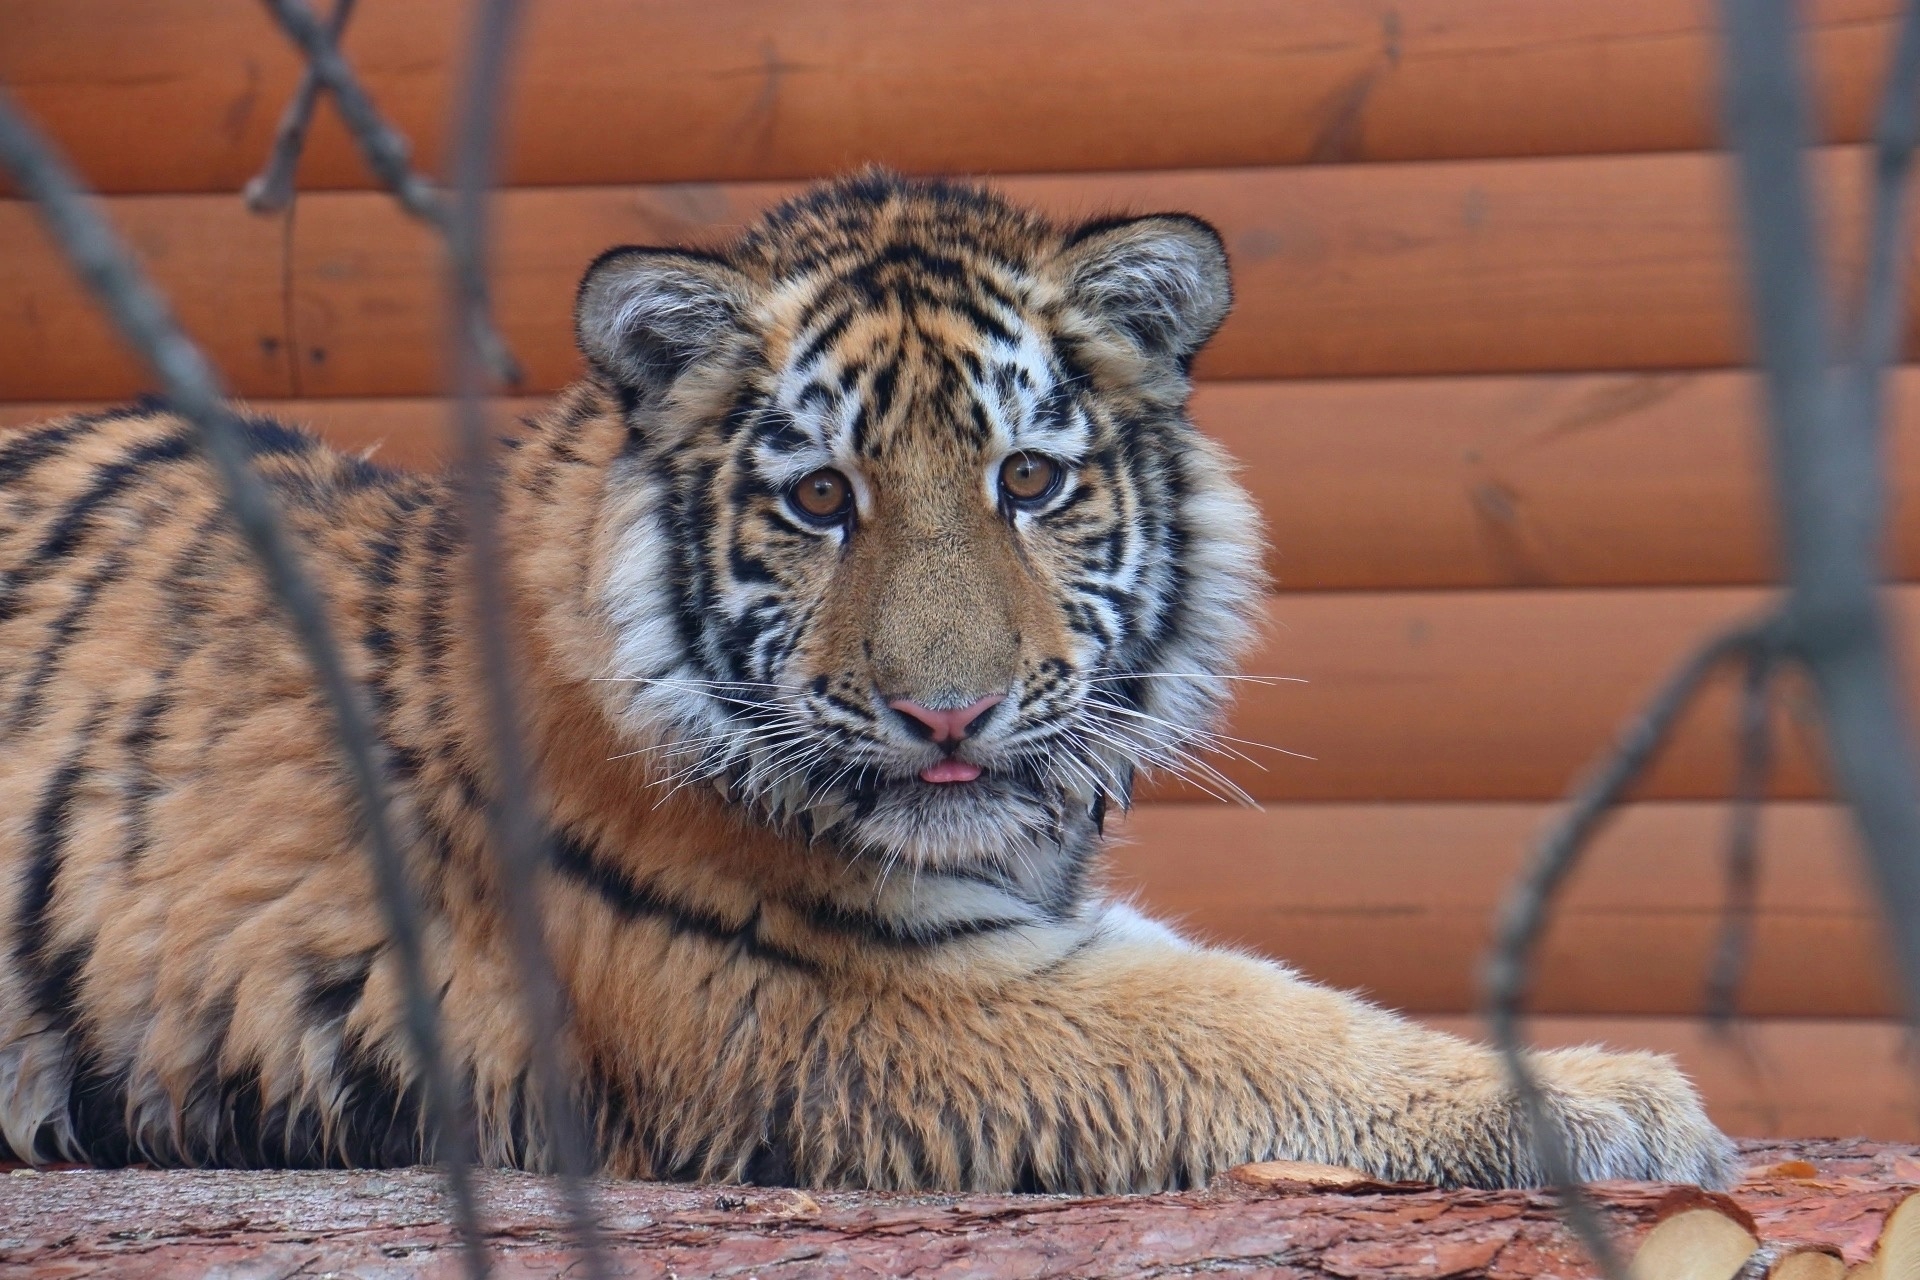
[
  {"x": 382, "y": 146},
  {"x": 1877, "y": 335},
  {"x": 271, "y": 190},
  {"x": 1524, "y": 917},
  {"x": 195, "y": 392},
  {"x": 1755, "y": 735},
  {"x": 1828, "y": 479},
  {"x": 516, "y": 836},
  {"x": 387, "y": 154},
  {"x": 1825, "y": 449}
]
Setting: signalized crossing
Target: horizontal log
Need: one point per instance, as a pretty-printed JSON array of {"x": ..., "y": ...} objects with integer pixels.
[
  {"x": 1398, "y": 901},
  {"x": 1607, "y": 263},
  {"x": 176, "y": 95},
  {"x": 1494, "y": 695},
  {"x": 222, "y": 268},
  {"x": 1620, "y": 262},
  {"x": 143, "y": 1224},
  {"x": 1390, "y": 484}
]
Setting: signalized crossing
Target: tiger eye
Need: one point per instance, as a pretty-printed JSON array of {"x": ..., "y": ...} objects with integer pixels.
[
  {"x": 823, "y": 494},
  {"x": 1028, "y": 477}
]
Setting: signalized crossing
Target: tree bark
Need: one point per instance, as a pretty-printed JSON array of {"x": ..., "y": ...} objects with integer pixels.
[{"x": 141, "y": 1224}]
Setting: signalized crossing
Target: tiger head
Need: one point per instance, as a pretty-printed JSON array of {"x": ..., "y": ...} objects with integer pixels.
[{"x": 916, "y": 550}]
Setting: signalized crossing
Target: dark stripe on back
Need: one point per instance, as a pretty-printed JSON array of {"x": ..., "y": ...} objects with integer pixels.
[
  {"x": 20, "y": 456},
  {"x": 141, "y": 786},
  {"x": 29, "y": 705},
  {"x": 52, "y": 979},
  {"x": 265, "y": 438},
  {"x": 26, "y": 449},
  {"x": 68, "y": 531},
  {"x": 185, "y": 635}
]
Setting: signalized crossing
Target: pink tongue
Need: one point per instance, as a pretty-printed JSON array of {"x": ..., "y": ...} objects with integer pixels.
[{"x": 950, "y": 771}]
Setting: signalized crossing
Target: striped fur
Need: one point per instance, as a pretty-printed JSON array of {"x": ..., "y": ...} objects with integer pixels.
[{"x": 789, "y": 958}]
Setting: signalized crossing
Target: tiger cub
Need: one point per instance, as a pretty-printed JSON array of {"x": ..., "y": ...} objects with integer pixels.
[{"x": 869, "y": 562}]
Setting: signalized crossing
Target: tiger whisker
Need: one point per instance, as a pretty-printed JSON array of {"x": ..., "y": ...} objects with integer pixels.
[
  {"x": 1209, "y": 736},
  {"x": 792, "y": 759},
  {"x": 1194, "y": 675},
  {"x": 1197, "y": 772},
  {"x": 1180, "y": 737},
  {"x": 699, "y": 682},
  {"x": 1175, "y": 759},
  {"x": 707, "y": 687},
  {"x": 820, "y": 792},
  {"x": 711, "y": 764}
]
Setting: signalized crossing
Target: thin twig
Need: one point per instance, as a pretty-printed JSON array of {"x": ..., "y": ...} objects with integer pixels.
[
  {"x": 194, "y": 390},
  {"x": 1876, "y": 336},
  {"x": 383, "y": 147},
  {"x": 271, "y": 190},
  {"x": 1524, "y": 916},
  {"x": 388, "y": 155},
  {"x": 1755, "y": 735},
  {"x": 515, "y": 835}
]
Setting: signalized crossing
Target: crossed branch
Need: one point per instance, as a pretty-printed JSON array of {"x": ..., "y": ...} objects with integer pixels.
[{"x": 385, "y": 151}]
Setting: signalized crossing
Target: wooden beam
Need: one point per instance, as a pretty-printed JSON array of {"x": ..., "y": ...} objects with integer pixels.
[
  {"x": 1825, "y": 1077},
  {"x": 149, "y": 1224},
  {"x": 1504, "y": 695},
  {"x": 1398, "y": 901},
  {"x": 223, "y": 271},
  {"x": 1608, "y": 263},
  {"x": 622, "y": 91}
]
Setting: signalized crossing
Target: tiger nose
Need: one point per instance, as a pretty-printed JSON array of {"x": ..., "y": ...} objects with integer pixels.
[{"x": 945, "y": 726}]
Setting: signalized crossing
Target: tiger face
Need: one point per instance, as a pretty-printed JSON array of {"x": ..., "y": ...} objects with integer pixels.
[{"x": 914, "y": 549}]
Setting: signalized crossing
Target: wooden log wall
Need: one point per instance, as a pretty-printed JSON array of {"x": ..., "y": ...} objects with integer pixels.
[{"x": 1483, "y": 375}]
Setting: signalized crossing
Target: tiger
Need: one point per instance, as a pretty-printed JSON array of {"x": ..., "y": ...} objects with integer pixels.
[{"x": 867, "y": 565}]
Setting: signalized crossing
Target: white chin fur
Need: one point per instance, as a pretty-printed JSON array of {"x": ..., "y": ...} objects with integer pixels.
[{"x": 950, "y": 826}]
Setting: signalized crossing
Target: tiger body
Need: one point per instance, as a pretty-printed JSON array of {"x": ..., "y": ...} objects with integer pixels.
[{"x": 829, "y": 697}]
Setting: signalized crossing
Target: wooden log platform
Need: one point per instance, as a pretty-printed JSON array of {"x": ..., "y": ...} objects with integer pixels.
[{"x": 151, "y": 1225}]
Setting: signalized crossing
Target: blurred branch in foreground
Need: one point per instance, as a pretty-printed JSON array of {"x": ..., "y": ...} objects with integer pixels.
[
  {"x": 1826, "y": 448},
  {"x": 194, "y": 391},
  {"x": 386, "y": 153}
]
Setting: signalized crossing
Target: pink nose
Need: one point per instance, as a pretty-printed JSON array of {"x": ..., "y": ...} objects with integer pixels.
[{"x": 947, "y": 726}]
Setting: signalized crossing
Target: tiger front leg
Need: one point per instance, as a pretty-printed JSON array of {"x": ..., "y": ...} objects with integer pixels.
[{"x": 1144, "y": 1064}]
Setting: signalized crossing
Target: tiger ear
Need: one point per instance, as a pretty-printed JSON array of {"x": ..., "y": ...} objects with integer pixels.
[
  {"x": 644, "y": 316},
  {"x": 1161, "y": 280}
]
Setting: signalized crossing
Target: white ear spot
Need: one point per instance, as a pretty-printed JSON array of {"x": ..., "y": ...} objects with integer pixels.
[
  {"x": 644, "y": 316},
  {"x": 1161, "y": 280}
]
